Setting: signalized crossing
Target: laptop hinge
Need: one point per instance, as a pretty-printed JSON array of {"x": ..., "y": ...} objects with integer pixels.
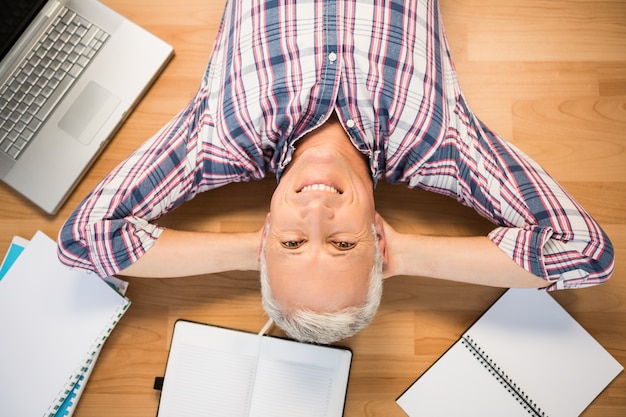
[{"x": 25, "y": 43}]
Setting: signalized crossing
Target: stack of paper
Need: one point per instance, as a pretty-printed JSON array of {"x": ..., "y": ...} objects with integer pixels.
[{"x": 53, "y": 321}]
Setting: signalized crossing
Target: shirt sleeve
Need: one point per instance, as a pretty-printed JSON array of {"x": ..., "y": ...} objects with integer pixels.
[
  {"x": 540, "y": 226},
  {"x": 115, "y": 224}
]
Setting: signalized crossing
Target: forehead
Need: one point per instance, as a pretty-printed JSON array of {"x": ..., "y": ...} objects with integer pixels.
[{"x": 319, "y": 282}]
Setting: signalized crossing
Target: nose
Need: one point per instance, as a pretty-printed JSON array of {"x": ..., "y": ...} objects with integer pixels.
[{"x": 316, "y": 210}]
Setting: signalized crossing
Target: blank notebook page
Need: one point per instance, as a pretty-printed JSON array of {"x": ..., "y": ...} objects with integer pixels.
[
  {"x": 52, "y": 319},
  {"x": 526, "y": 343}
]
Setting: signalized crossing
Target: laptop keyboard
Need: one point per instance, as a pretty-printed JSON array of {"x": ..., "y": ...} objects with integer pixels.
[{"x": 47, "y": 72}]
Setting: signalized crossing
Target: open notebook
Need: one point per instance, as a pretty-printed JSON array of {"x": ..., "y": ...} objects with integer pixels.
[
  {"x": 216, "y": 371},
  {"x": 526, "y": 356}
]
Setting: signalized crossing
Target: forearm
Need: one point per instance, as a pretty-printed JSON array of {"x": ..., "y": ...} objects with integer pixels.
[
  {"x": 114, "y": 226},
  {"x": 474, "y": 260},
  {"x": 182, "y": 253}
]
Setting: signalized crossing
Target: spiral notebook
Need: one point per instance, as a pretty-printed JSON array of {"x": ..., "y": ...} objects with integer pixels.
[
  {"x": 53, "y": 321},
  {"x": 526, "y": 356}
]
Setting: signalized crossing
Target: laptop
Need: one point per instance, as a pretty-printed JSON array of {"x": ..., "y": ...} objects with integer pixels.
[{"x": 53, "y": 126}]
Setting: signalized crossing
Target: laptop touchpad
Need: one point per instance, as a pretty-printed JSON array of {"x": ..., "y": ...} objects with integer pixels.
[{"x": 88, "y": 113}]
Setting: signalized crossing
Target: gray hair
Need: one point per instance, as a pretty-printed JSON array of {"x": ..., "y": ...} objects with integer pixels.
[{"x": 325, "y": 327}]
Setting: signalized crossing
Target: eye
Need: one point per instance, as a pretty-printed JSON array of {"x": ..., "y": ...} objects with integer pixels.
[
  {"x": 292, "y": 244},
  {"x": 342, "y": 245}
]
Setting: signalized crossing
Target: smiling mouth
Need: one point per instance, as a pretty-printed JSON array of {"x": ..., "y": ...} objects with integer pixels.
[{"x": 320, "y": 187}]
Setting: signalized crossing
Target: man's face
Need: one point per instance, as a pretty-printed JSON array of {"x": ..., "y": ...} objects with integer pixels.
[{"x": 320, "y": 245}]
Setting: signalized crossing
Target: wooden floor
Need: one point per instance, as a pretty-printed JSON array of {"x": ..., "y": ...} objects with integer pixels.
[{"x": 548, "y": 75}]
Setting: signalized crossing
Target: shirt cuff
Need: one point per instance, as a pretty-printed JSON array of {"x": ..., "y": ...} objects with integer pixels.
[
  {"x": 525, "y": 246},
  {"x": 125, "y": 241}
]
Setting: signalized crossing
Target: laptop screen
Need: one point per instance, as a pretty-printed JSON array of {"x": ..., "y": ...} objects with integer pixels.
[{"x": 15, "y": 16}]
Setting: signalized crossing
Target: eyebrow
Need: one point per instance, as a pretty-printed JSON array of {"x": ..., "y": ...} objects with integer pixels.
[{"x": 297, "y": 251}]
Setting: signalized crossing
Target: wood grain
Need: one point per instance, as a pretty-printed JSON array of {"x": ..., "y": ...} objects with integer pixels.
[{"x": 548, "y": 75}]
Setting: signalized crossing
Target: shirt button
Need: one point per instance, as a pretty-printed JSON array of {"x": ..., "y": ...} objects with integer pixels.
[
  {"x": 350, "y": 123},
  {"x": 332, "y": 57}
]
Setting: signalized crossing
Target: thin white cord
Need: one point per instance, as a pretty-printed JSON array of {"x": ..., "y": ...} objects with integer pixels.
[{"x": 265, "y": 328}]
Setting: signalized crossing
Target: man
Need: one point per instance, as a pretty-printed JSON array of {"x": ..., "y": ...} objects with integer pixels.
[{"x": 332, "y": 96}]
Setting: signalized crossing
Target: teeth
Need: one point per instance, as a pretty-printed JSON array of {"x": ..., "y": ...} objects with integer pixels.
[{"x": 321, "y": 187}]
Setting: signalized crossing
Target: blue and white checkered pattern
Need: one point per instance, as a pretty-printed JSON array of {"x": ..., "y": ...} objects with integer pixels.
[{"x": 278, "y": 70}]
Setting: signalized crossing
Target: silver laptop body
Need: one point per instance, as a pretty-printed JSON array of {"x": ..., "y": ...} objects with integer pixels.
[{"x": 111, "y": 63}]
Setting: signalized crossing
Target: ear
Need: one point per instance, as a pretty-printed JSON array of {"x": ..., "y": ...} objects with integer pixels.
[
  {"x": 379, "y": 225},
  {"x": 264, "y": 231}
]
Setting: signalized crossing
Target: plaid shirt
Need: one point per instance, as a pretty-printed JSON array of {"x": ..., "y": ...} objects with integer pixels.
[{"x": 277, "y": 71}]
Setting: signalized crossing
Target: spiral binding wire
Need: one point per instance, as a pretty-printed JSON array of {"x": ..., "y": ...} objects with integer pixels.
[{"x": 506, "y": 382}]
